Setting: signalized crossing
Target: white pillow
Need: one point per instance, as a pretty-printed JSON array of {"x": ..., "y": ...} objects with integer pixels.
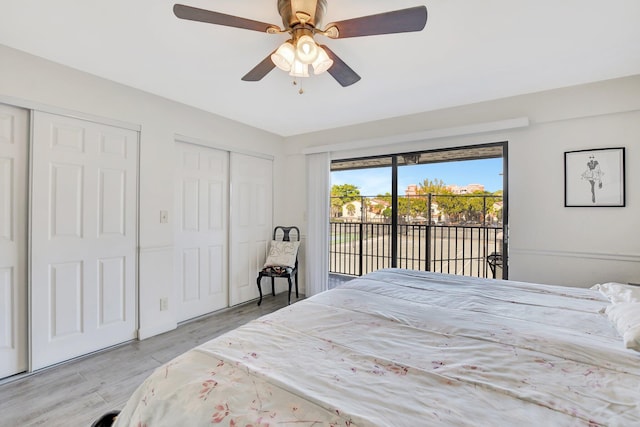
[
  {"x": 626, "y": 318},
  {"x": 619, "y": 292},
  {"x": 282, "y": 254}
]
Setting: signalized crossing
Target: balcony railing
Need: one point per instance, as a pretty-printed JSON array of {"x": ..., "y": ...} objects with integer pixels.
[{"x": 470, "y": 248}]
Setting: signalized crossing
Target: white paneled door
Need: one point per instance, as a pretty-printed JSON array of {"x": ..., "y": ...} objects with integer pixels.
[
  {"x": 83, "y": 256},
  {"x": 202, "y": 201},
  {"x": 13, "y": 240},
  {"x": 251, "y": 223}
]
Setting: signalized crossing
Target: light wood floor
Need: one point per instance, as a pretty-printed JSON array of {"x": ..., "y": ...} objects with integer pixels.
[{"x": 76, "y": 393}]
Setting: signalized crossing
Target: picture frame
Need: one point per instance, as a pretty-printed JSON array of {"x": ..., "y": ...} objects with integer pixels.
[{"x": 594, "y": 178}]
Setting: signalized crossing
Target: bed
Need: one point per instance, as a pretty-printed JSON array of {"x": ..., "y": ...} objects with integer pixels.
[{"x": 407, "y": 348}]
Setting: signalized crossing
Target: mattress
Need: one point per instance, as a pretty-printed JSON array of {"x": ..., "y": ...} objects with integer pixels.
[{"x": 407, "y": 348}]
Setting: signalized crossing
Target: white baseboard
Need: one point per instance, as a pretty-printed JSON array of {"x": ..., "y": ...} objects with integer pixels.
[{"x": 144, "y": 333}]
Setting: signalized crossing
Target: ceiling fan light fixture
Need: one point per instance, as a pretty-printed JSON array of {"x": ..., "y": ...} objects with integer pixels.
[
  {"x": 285, "y": 56},
  {"x": 322, "y": 62},
  {"x": 299, "y": 69},
  {"x": 302, "y": 20},
  {"x": 306, "y": 49}
]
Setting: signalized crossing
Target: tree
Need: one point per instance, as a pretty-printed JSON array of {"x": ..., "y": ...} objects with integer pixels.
[
  {"x": 413, "y": 206},
  {"x": 470, "y": 207},
  {"x": 474, "y": 206},
  {"x": 437, "y": 186},
  {"x": 385, "y": 209},
  {"x": 341, "y": 195},
  {"x": 453, "y": 206},
  {"x": 347, "y": 192}
]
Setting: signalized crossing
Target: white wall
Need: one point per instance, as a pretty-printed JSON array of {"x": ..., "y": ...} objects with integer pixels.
[
  {"x": 549, "y": 243},
  {"x": 32, "y": 82}
]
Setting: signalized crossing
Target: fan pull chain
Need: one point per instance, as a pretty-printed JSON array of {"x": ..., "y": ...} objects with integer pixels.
[{"x": 295, "y": 83}]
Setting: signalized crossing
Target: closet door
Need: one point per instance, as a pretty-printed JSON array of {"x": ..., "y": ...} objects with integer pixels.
[
  {"x": 13, "y": 240},
  {"x": 202, "y": 187},
  {"x": 83, "y": 257},
  {"x": 251, "y": 223}
]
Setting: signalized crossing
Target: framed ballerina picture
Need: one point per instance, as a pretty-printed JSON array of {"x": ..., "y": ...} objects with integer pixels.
[{"x": 594, "y": 177}]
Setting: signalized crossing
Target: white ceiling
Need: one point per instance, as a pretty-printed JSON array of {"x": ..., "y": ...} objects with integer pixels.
[{"x": 470, "y": 51}]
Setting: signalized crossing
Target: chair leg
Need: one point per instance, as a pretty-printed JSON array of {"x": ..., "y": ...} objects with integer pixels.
[
  {"x": 260, "y": 289},
  {"x": 106, "y": 420},
  {"x": 273, "y": 286},
  {"x": 297, "y": 296},
  {"x": 289, "y": 280}
]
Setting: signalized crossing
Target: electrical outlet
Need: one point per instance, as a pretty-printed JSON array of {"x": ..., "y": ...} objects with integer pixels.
[
  {"x": 164, "y": 304},
  {"x": 164, "y": 217}
]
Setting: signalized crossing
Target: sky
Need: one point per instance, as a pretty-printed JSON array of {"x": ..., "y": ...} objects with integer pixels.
[{"x": 372, "y": 182}]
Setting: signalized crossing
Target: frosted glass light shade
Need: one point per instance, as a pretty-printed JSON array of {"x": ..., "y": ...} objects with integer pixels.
[
  {"x": 284, "y": 57},
  {"x": 299, "y": 69},
  {"x": 306, "y": 50},
  {"x": 322, "y": 62}
]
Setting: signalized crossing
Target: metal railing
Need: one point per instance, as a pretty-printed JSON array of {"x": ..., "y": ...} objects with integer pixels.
[{"x": 469, "y": 248}]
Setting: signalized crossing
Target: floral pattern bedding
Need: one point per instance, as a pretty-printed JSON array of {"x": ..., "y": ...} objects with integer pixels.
[{"x": 407, "y": 348}]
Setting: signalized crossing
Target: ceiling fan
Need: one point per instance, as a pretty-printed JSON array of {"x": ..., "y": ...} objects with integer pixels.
[{"x": 302, "y": 20}]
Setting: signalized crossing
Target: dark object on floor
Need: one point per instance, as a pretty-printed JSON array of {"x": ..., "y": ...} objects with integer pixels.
[
  {"x": 106, "y": 420},
  {"x": 495, "y": 262}
]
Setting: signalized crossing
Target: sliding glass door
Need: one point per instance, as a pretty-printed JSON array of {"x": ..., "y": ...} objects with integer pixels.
[{"x": 442, "y": 210}]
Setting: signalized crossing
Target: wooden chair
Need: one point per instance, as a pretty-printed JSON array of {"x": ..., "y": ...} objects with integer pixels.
[{"x": 278, "y": 269}]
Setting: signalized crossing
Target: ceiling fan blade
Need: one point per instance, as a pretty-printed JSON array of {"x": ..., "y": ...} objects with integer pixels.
[
  {"x": 341, "y": 71},
  {"x": 399, "y": 21},
  {"x": 202, "y": 15},
  {"x": 260, "y": 70}
]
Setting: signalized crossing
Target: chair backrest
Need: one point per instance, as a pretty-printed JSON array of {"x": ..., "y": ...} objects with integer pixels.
[{"x": 286, "y": 234}]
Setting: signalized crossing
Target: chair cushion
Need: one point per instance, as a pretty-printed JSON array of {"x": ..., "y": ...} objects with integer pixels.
[
  {"x": 276, "y": 270},
  {"x": 282, "y": 254}
]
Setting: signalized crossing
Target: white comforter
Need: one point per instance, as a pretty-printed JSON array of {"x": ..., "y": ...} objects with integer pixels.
[{"x": 405, "y": 348}]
